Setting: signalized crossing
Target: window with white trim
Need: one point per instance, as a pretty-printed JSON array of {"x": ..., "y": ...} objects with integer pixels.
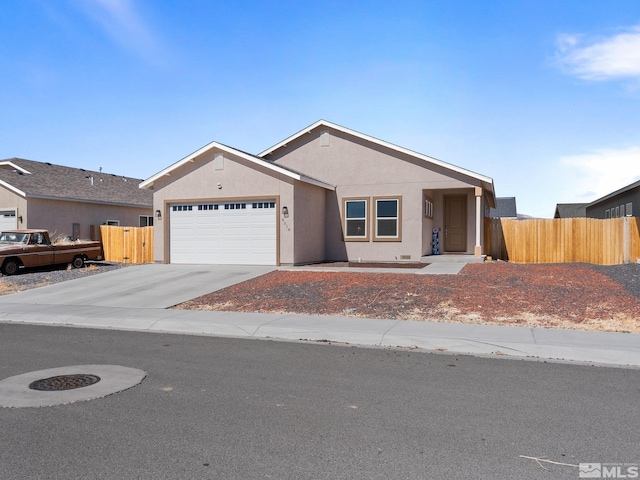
[
  {"x": 387, "y": 218},
  {"x": 629, "y": 211},
  {"x": 355, "y": 219}
]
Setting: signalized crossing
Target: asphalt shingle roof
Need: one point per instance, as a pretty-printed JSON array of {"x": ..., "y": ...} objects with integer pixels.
[
  {"x": 571, "y": 210},
  {"x": 46, "y": 180},
  {"x": 505, "y": 208}
]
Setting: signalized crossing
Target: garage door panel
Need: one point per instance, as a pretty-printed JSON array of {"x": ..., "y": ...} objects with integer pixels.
[
  {"x": 8, "y": 220},
  {"x": 232, "y": 233}
]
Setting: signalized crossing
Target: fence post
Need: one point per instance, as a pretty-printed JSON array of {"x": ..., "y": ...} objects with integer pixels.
[{"x": 626, "y": 249}]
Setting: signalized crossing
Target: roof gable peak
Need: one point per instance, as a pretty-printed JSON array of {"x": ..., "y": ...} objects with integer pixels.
[
  {"x": 213, "y": 146},
  {"x": 487, "y": 181}
]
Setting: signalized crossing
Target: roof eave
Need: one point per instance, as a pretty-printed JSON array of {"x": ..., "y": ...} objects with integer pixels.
[
  {"x": 13, "y": 165},
  {"x": 613, "y": 194},
  {"x": 13, "y": 189},
  {"x": 86, "y": 200}
]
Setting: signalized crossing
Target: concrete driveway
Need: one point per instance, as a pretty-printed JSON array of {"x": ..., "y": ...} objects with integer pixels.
[{"x": 141, "y": 286}]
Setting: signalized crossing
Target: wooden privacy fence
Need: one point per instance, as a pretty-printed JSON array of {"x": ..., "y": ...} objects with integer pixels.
[
  {"x": 127, "y": 244},
  {"x": 604, "y": 242}
]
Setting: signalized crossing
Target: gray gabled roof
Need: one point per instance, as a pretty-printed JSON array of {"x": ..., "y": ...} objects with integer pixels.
[
  {"x": 31, "y": 179},
  {"x": 505, "y": 208},
  {"x": 631, "y": 186},
  {"x": 570, "y": 210}
]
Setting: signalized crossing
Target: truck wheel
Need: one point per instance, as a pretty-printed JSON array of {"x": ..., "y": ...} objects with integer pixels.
[
  {"x": 10, "y": 267},
  {"x": 78, "y": 262}
]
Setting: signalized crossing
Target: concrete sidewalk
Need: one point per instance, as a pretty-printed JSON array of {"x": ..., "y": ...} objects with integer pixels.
[
  {"x": 440, "y": 268},
  {"x": 614, "y": 349}
]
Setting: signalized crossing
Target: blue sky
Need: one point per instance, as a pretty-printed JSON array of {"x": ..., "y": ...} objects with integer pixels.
[{"x": 542, "y": 96}]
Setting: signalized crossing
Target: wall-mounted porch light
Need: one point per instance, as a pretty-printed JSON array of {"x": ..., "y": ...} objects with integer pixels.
[
  {"x": 285, "y": 212},
  {"x": 158, "y": 214}
]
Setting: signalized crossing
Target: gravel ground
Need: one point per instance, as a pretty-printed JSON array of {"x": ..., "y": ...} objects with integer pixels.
[
  {"x": 577, "y": 295},
  {"x": 551, "y": 295},
  {"x": 627, "y": 275},
  {"x": 39, "y": 277}
]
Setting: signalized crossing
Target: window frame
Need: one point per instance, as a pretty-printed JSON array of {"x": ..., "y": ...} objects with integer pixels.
[
  {"x": 348, "y": 238},
  {"x": 149, "y": 219},
  {"x": 428, "y": 207},
  {"x": 398, "y": 218}
]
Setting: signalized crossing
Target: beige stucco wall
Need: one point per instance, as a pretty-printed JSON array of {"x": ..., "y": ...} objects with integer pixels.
[
  {"x": 363, "y": 169},
  {"x": 239, "y": 179},
  {"x": 58, "y": 216},
  {"x": 12, "y": 201},
  {"x": 308, "y": 213},
  {"x": 427, "y": 226}
]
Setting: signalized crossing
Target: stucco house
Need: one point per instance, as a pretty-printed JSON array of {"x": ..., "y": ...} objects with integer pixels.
[
  {"x": 69, "y": 202},
  {"x": 327, "y": 193},
  {"x": 624, "y": 202}
]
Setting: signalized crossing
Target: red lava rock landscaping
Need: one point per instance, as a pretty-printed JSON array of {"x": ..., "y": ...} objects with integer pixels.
[{"x": 558, "y": 295}]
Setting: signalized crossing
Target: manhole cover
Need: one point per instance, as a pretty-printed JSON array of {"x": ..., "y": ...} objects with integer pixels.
[
  {"x": 64, "y": 385},
  {"x": 64, "y": 382}
]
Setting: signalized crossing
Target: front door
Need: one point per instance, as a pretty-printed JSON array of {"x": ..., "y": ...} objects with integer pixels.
[{"x": 455, "y": 223}]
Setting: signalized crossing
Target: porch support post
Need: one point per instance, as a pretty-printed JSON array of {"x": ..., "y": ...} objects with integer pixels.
[{"x": 477, "y": 251}]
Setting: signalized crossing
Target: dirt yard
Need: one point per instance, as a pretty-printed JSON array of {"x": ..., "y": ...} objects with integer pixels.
[{"x": 575, "y": 296}]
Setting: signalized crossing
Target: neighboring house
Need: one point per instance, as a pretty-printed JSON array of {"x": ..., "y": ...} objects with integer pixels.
[
  {"x": 505, "y": 208},
  {"x": 326, "y": 193},
  {"x": 570, "y": 210},
  {"x": 69, "y": 202},
  {"x": 621, "y": 203}
]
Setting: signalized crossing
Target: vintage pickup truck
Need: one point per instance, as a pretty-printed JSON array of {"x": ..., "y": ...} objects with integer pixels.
[{"x": 33, "y": 248}]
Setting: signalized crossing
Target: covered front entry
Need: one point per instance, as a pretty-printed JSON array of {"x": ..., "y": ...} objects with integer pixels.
[
  {"x": 232, "y": 233},
  {"x": 455, "y": 223}
]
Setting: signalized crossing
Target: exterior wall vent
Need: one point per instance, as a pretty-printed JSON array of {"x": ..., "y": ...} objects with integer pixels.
[
  {"x": 218, "y": 161},
  {"x": 325, "y": 139}
]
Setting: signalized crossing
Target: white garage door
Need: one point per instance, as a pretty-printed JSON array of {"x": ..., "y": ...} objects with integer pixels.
[
  {"x": 8, "y": 220},
  {"x": 224, "y": 233}
]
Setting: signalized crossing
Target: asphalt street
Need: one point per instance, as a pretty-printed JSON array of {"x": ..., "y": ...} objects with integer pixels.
[{"x": 253, "y": 409}]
